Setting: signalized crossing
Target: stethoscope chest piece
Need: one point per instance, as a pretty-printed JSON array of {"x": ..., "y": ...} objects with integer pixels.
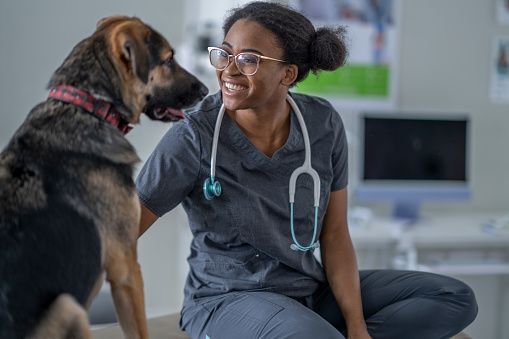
[{"x": 211, "y": 188}]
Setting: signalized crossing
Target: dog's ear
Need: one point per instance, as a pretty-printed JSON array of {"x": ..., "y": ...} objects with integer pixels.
[
  {"x": 110, "y": 19},
  {"x": 135, "y": 52},
  {"x": 129, "y": 46}
]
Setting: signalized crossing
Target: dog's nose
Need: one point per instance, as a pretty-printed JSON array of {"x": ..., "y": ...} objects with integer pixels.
[{"x": 203, "y": 91}]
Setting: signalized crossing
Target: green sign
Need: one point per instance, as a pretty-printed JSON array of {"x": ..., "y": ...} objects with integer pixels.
[{"x": 350, "y": 81}]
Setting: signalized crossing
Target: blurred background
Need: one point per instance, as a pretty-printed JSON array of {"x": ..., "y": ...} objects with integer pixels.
[{"x": 439, "y": 60}]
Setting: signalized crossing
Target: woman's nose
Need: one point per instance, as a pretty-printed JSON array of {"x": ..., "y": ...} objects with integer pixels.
[{"x": 232, "y": 67}]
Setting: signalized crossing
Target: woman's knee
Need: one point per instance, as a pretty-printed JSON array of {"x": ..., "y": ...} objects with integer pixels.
[
  {"x": 462, "y": 298},
  {"x": 455, "y": 300},
  {"x": 418, "y": 300}
]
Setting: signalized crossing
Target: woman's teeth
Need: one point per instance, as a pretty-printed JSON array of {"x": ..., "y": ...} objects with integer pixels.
[{"x": 233, "y": 87}]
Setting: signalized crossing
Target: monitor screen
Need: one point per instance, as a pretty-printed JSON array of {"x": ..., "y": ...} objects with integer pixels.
[{"x": 408, "y": 158}]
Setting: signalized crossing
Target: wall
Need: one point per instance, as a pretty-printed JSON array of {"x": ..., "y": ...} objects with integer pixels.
[{"x": 445, "y": 58}]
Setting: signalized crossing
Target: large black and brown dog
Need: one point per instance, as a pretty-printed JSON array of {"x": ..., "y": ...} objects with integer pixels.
[{"x": 68, "y": 206}]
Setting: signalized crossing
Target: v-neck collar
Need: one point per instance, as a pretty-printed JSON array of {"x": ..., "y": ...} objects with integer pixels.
[{"x": 236, "y": 139}]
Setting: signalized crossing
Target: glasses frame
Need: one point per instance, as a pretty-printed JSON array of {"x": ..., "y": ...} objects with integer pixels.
[{"x": 230, "y": 56}]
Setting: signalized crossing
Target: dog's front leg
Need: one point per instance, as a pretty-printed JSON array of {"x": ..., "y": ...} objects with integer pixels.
[{"x": 124, "y": 275}]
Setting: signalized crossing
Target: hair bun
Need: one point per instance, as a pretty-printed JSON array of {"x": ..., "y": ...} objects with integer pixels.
[{"x": 327, "y": 49}]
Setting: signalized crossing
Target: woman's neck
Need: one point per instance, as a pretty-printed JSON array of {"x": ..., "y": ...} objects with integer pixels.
[{"x": 267, "y": 128}]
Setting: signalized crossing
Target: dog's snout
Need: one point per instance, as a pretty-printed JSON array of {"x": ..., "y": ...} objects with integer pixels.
[
  {"x": 203, "y": 90},
  {"x": 199, "y": 91},
  {"x": 197, "y": 88}
]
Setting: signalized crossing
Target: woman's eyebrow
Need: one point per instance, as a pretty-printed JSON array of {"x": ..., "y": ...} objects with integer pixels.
[
  {"x": 245, "y": 50},
  {"x": 252, "y": 50}
]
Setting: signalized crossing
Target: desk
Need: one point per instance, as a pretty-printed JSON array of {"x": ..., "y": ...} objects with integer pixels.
[{"x": 446, "y": 244}]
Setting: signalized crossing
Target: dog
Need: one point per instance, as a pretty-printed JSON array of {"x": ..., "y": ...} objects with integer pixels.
[{"x": 69, "y": 211}]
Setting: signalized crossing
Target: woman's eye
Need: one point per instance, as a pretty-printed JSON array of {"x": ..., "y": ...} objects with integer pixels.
[{"x": 250, "y": 59}]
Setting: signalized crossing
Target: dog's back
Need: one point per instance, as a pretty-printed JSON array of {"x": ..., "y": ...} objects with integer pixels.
[{"x": 43, "y": 236}]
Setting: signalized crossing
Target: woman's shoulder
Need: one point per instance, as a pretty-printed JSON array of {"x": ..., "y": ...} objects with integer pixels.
[
  {"x": 205, "y": 108},
  {"x": 198, "y": 119},
  {"x": 312, "y": 103},
  {"x": 318, "y": 108}
]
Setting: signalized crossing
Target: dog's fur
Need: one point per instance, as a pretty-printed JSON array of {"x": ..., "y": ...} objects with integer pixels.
[{"x": 68, "y": 206}]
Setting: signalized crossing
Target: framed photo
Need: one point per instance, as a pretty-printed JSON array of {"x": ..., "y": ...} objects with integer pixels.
[
  {"x": 500, "y": 70},
  {"x": 368, "y": 80},
  {"x": 503, "y": 12}
]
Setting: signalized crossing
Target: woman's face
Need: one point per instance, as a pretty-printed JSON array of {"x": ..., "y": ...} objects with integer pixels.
[{"x": 264, "y": 87}]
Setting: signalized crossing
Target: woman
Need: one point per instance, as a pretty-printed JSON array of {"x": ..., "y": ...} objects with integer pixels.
[{"x": 246, "y": 279}]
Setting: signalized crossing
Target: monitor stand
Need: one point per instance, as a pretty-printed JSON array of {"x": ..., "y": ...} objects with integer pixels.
[{"x": 407, "y": 209}]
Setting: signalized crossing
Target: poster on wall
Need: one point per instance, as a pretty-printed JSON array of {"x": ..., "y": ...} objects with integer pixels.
[
  {"x": 503, "y": 12},
  {"x": 368, "y": 80},
  {"x": 500, "y": 70}
]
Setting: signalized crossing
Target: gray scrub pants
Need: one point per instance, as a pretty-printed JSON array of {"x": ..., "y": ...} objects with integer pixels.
[{"x": 396, "y": 304}]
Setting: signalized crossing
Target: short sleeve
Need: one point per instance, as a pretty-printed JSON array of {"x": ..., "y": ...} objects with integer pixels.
[
  {"x": 339, "y": 153},
  {"x": 171, "y": 171}
]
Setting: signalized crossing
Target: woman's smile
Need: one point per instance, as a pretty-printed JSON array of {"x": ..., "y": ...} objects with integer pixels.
[{"x": 231, "y": 88}]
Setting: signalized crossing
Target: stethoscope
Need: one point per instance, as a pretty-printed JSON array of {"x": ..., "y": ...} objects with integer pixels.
[{"x": 212, "y": 188}]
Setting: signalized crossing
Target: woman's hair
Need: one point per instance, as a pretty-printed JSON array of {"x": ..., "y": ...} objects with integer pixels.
[{"x": 309, "y": 49}]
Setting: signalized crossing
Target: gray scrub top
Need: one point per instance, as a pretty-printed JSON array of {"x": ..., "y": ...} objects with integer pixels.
[{"x": 241, "y": 239}]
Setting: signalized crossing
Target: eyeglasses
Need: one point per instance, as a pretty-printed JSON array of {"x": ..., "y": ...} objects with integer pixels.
[{"x": 247, "y": 63}]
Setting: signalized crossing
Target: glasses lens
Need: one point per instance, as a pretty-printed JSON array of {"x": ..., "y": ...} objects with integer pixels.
[
  {"x": 247, "y": 63},
  {"x": 218, "y": 58}
]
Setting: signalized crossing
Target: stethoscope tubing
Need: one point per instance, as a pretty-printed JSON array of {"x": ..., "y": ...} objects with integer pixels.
[
  {"x": 306, "y": 168},
  {"x": 215, "y": 141}
]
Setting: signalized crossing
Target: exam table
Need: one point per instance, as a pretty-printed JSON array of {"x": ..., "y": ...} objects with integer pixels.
[{"x": 167, "y": 327}]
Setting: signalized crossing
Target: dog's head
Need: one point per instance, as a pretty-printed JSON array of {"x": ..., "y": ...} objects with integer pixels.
[
  {"x": 154, "y": 82},
  {"x": 132, "y": 65}
]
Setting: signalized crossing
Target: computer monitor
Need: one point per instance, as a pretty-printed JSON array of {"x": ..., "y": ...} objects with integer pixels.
[{"x": 411, "y": 158}]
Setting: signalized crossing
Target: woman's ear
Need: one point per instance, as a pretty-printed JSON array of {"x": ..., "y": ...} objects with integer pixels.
[{"x": 290, "y": 74}]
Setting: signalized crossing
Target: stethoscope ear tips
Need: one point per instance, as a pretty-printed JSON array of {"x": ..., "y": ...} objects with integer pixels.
[{"x": 211, "y": 188}]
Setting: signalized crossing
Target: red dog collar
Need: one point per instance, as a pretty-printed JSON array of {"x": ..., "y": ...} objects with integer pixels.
[{"x": 97, "y": 107}]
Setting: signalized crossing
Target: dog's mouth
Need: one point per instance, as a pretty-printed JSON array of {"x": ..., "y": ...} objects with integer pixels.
[{"x": 166, "y": 114}]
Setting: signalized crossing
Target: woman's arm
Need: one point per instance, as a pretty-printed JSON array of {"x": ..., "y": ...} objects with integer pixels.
[
  {"x": 147, "y": 219},
  {"x": 340, "y": 264}
]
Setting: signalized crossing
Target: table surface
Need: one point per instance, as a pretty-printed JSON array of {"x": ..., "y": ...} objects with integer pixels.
[
  {"x": 165, "y": 327},
  {"x": 468, "y": 230}
]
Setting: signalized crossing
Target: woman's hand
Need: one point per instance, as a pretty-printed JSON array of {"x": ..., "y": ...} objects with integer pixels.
[{"x": 360, "y": 333}]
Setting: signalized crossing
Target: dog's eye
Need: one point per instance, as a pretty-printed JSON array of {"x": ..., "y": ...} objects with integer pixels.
[{"x": 169, "y": 61}]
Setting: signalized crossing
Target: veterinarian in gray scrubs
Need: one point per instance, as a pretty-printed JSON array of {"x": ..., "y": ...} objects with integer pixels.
[{"x": 247, "y": 278}]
